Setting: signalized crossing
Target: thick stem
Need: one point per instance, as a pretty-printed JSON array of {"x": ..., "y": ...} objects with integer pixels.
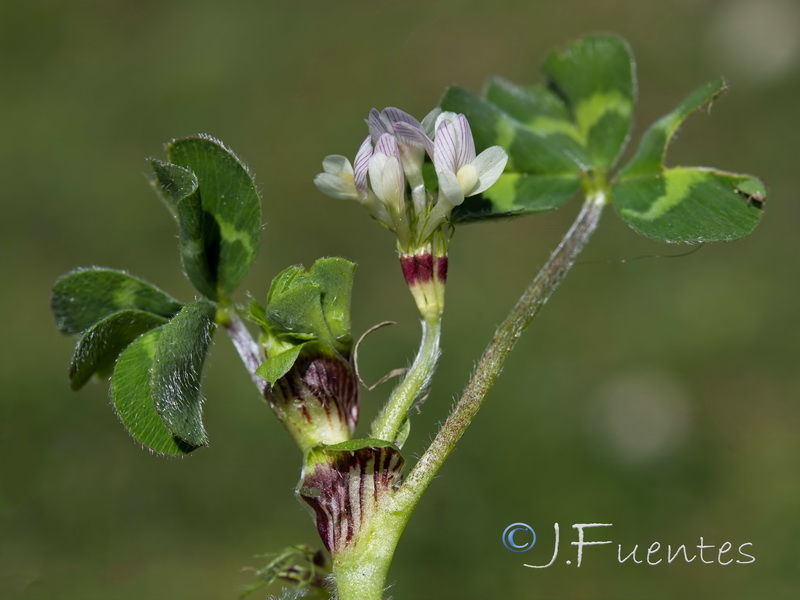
[
  {"x": 389, "y": 421},
  {"x": 491, "y": 363}
]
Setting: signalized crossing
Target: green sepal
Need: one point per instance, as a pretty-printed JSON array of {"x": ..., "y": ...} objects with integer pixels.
[
  {"x": 132, "y": 398},
  {"x": 649, "y": 157},
  {"x": 83, "y": 297},
  {"x": 177, "y": 368},
  {"x": 691, "y": 205},
  {"x": 357, "y": 444},
  {"x": 595, "y": 76},
  {"x": 280, "y": 362},
  {"x": 298, "y": 311},
  {"x": 230, "y": 199},
  {"x": 101, "y": 344},
  {"x": 199, "y": 234},
  {"x": 311, "y": 305}
]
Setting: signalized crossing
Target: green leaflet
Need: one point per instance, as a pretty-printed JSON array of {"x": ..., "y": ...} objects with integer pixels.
[
  {"x": 542, "y": 152},
  {"x": 230, "y": 219},
  {"x": 298, "y": 311},
  {"x": 177, "y": 367},
  {"x": 691, "y": 204},
  {"x": 518, "y": 194},
  {"x": 554, "y": 134},
  {"x": 102, "y": 343},
  {"x": 649, "y": 157},
  {"x": 132, "y": 398},
  {"x": 199, "y": 236},
  {"x": 595, "y": 76},
  {"x": 83, "y": 297},
  {"x": 685, "y": 204}
]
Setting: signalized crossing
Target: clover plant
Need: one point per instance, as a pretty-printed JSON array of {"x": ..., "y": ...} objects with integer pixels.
[{"x": 515, "y": 149}]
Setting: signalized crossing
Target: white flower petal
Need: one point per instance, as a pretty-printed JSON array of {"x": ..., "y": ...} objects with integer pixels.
[
  {"x": 386, "y": 178},
  {"x": 450, "y": 187},
  {"x": 335, "y": 187},
  {"x": 490, "y": 164},
  {"x": 444, "y": 147},
  {"x": 429, "y": 122},
  {"x": 336, "y": 164}
]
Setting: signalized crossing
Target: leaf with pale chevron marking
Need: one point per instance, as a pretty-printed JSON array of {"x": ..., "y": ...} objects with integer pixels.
[
  {"x": 83, "y": 297},
  {"x": 554, "y": 134},
  {"x": 229, "y": 198},
  {"x": 685, "y": 204}
]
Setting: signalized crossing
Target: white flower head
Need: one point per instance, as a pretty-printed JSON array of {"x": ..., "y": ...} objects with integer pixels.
[{"x": 462, "y": 174}]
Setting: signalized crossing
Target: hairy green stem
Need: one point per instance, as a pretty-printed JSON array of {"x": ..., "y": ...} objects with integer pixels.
[
  {"x": 361, "y": 575},
  {"x": 389, "y": 421}
]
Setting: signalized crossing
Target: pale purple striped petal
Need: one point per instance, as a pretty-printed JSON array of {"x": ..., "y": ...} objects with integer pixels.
[
  {"x": 466, "y": 147},
  {"x": 490, "y": 164},
  {"x": 387, "y": 144},
  {"x": 361, "y": 166},
  {"x": 414, "y": 136},
  {"x": 395, "y": 115},
  {"x": 444, "y": 148},
  {"x": 377, "y": 127}
]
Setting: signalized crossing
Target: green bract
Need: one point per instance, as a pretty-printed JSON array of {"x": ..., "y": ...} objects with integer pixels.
[{"x": 569, "y": 133}]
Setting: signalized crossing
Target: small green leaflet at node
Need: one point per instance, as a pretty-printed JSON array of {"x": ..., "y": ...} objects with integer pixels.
[
  {"x": 304, "y": 309},
  {"x": 215, "y": 201},
  {"x": 685, "y": 204},
  {"x": 578, "y": 122}
]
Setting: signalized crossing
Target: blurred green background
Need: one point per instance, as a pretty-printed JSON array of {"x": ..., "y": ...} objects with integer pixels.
[{"x": 660, "y": 395}]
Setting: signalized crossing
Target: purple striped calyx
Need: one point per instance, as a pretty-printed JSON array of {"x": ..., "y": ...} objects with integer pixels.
[
  {"x": 345, "y": 485},
  {"x": 305, "y": 334}
]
